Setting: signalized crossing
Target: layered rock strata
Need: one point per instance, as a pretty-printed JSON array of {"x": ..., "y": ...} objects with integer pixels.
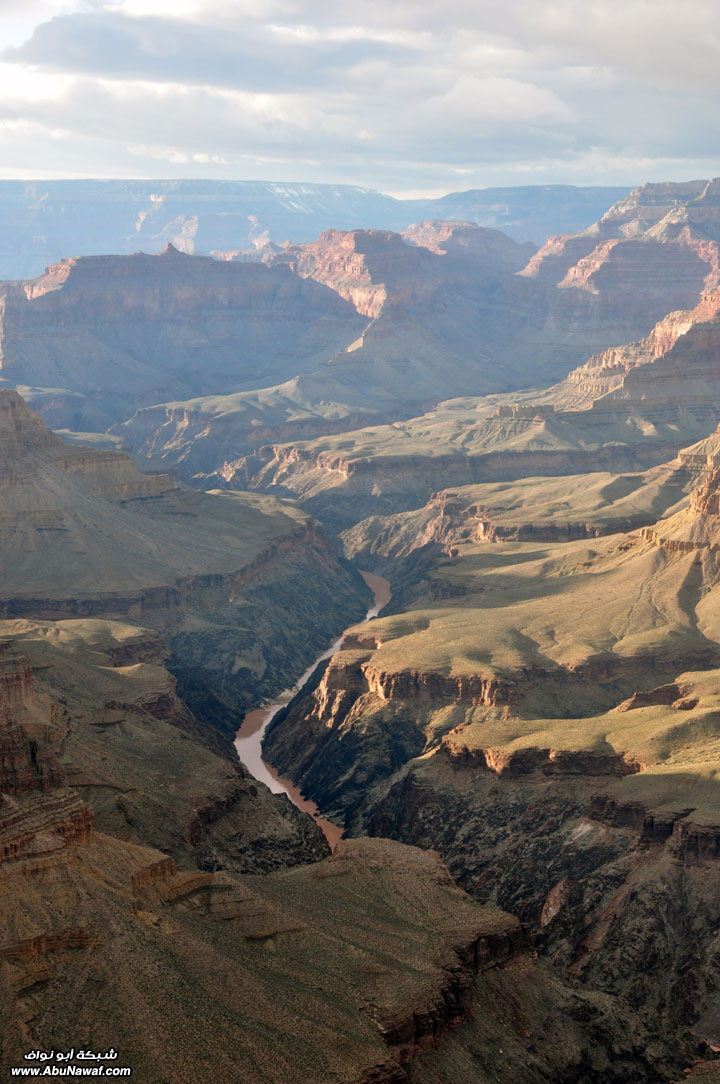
[
  {"x": 445, "y": 299},
  {"x": 242, "y": 588},
  {"x": 119, "y": 332}
]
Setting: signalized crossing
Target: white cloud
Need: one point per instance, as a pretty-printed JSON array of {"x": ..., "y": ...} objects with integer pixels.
[
  {"x": 21, "y": 83},
  {"x": 199, "y": 10},
  {"x": 498, "y": 100},
  {"x": 403, "y": 95}
]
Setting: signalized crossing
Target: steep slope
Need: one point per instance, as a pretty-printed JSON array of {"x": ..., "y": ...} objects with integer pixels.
[
  {"x": 628, "y": 406},
  {"x": 245, "y": 591},
  {"x": 449, "y": 315},
  {"x": 179, "y": 974},
  {"x": 526, "y": 213},
  {"x": 96, "y": 337},
  {"x": 680, "y": 348},
  {"x": 131, "y": 749},
  {"x": 345, "y": 970},
  {"x": 635, "y": 229},
  {"x": 372, "y": 268},
  {"x": 87, "y": 919}
]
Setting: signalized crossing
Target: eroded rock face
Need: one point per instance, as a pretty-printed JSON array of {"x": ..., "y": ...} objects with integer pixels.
[
  {"x": 104, "y": 328},
  {"x": 600, "y": 831},
  {"x": 373, "y": 268},
  {"x": 449, "y": 315},
  {"x": 101, "y": 712},
  {"x": 672, "y": 370},
  {"x": 84, "y": 535},
  {"x": 38, "y": 815},
  {"x": 695, "y": 528},
  {"x": 684, "y": 213},
  {"x": 202, "y": 932},
  {"x": 618, "y": 899}
]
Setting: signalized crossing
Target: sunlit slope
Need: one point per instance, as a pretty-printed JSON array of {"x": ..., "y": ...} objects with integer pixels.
[
  {"x": 530, "y": 509},
  {"x": 528, "y": 644}
]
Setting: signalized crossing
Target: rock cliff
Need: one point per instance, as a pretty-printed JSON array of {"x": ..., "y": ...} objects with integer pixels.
[
  {"x": 448, "y": 314},
  {"x": 118, "y": 332},
  {"x": 84, "y": 535},
  {"x": 683, "y": 214},
  {"x": 84, "y": 912},
  {"x": 524, "y": 711}
]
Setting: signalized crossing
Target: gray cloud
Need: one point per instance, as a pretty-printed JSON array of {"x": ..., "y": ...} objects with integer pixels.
[{"x": 400, "y": 95}]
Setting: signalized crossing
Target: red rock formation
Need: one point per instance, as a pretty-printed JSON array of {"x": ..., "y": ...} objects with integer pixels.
[
  {"x": 647, "y": 213},
  {"x": 365, "y": 267},
  {"x": 673, "y": 369},
  {"x": 519, "y": 762},
  {"x": 35, "y": 826},
  {"x": 463, "y": 239}
]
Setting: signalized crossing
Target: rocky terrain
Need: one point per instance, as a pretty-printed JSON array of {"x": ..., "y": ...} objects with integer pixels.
[
  {"x": 451, "y": 313},
  {"x": 522, "y": 747},
  {"x": 89, "y": 916},
  {"x": 684, "y": 215},
  {"x": 94, "y": 338},
  {"x": 625, "y": 408},
  {"x": 242, "y": 588},
  {"x": 361, "y": 326},
  {"x": 539, "y": 509},
  {"x": 457, "y": 300},
  {"x": 154, "y": 616},
  {"x": 541, "y": 709}
]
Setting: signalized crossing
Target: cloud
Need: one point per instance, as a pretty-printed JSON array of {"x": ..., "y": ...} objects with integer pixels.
[{"x": 401, "y": 95}]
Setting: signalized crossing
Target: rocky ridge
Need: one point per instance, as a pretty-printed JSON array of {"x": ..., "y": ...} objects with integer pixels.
[
  {"x": 681, "y": 214},
  {"x": 96, "y": 337},
  {"x": 625, "y": 409},
  {"x": 444, "y": 297},
  {"x": 44, "y": 220}
]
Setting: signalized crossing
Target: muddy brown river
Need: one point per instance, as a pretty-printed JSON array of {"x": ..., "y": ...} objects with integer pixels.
[{"x": 249, "y": 739}]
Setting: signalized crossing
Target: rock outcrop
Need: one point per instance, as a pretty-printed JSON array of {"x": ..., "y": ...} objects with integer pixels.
[
  {"x": 113, "y": 916},
  {"x": 695, "y": 528},
  {"x": 684, "y": 214},
  {"x": 668, "y": 376}
]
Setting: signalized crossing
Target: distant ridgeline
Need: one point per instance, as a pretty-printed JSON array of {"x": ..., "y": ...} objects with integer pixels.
[{"x": 42, "y": 221}]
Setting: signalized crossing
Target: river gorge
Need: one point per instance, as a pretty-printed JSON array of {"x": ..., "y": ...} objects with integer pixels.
[{"x": 250, "y": 736}]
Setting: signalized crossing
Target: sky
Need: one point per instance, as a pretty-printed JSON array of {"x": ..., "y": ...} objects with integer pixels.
[{"x": 411, "y": 97}]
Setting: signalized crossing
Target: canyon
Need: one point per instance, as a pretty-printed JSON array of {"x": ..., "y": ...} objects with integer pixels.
[{"x": 205, "y": 465}]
